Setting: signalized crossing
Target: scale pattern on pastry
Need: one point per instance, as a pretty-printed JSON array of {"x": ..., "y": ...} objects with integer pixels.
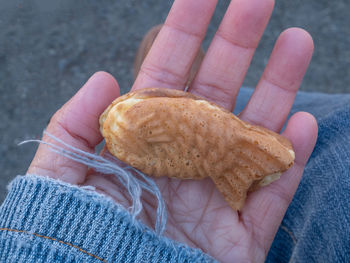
[{"x": 164, "y": 132}]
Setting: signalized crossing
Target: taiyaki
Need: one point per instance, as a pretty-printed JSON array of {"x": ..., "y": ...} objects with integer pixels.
[{"x": 166, "y": 132}]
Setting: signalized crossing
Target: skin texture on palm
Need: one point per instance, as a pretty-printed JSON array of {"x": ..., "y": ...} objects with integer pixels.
[{"x": 197, "y": 213}]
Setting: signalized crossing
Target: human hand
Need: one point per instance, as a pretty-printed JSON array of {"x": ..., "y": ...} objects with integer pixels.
[{"x": 197, "y": 213}]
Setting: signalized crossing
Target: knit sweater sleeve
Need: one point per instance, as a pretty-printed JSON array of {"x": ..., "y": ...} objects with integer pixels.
[{"x": 44, "y": 220}]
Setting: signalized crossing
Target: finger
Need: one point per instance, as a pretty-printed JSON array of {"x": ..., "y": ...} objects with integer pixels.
[
  {"x": 144, "y": 48},
  {"x": 273, "y": 98},
  {"x": 76, "y": 123},
  {"x": 265, "y": 208},
  {"x": 230, "y": 53},
  {"x": 146, "y": 45},
  {"x": 170, "y": 59}
]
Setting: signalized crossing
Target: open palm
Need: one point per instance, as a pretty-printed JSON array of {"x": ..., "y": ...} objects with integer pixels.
[{"x": 197, "y": 213}]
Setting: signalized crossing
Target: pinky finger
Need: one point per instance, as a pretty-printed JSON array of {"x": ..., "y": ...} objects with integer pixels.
[{"x": 266, "y": 207}]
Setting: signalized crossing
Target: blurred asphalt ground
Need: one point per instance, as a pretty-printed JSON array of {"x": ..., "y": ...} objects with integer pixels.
[{"x": 48, "y": 49}]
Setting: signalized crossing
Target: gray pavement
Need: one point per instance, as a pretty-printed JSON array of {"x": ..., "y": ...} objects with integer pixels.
[{"x": 48, "y": 49}]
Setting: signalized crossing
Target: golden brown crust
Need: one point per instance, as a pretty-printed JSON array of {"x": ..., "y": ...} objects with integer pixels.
[{"x": 177, "y": 134}]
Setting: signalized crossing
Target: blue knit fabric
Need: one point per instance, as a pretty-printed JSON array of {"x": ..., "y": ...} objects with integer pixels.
[{"x": 43, "y": 220}]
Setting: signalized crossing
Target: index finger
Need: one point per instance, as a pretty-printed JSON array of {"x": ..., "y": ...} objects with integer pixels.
[{"x": 170, "y": 59}]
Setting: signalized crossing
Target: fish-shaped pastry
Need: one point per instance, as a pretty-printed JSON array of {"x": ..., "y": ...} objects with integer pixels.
[{"x": 166, "y": 132}]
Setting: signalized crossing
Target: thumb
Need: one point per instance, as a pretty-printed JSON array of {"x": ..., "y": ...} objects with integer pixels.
[{"x": 76, "y": 123}]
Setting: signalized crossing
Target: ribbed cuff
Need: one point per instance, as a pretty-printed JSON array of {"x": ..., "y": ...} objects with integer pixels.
[{"x": 49, "y": 221}]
